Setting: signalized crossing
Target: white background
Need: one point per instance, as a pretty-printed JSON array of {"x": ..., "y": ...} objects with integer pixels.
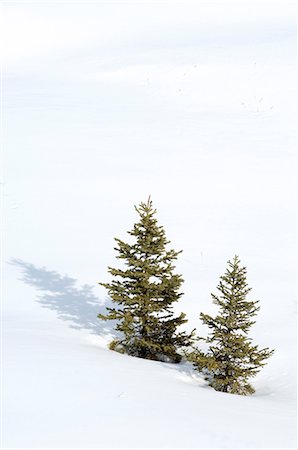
[{"x": 103, "y": 104}]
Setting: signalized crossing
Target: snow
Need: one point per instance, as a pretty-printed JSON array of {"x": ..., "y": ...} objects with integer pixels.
[{"x": 104, "y": 104}]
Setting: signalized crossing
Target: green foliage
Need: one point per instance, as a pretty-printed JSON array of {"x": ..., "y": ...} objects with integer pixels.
[
  {"x": 231, "y": 359},
  {"x": 144, "y": 293}
]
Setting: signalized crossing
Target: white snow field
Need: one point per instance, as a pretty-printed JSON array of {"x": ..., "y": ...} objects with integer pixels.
[{"x": 103, "y": 104}]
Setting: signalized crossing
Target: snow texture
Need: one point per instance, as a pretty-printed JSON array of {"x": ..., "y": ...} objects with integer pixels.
[{"x": 103, "y": 104}]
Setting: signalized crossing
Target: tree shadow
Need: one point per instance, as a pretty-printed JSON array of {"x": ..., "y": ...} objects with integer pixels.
[
  {"x": 76, "y": 305},
  {"x": 186, "y": 372}
]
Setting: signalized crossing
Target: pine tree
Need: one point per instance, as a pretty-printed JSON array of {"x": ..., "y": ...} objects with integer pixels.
[
  {"x": 144, "y": 293},
  {"x": 231, "y": 359}
]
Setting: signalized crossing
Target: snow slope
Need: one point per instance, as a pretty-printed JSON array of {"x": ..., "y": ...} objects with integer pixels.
[
  {"x": 104, "y": 104},
  {"x": 64, "y": 389}
]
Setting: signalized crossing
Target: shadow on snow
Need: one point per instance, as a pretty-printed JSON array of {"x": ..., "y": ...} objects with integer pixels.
[
  {"x": 80, "y": 307},
  {"x": 76, "y": 305}
]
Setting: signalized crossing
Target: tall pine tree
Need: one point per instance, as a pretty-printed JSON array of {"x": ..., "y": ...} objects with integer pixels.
[
  {"x": 231, "y": 359},
  {"x": 144, "y": 293}
]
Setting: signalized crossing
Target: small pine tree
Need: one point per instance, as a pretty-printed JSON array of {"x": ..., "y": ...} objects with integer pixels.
[
  {"x": 231, "y": 359},
  {"x": 145, "y": 292}
]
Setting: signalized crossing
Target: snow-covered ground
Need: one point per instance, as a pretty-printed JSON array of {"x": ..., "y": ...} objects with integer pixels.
[{"x": 103, "y": 104}]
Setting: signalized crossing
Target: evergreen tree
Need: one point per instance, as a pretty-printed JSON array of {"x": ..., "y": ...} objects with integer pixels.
[
  {"x": 231, "y": 359},
  {"x": 144, "y": 293}
]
